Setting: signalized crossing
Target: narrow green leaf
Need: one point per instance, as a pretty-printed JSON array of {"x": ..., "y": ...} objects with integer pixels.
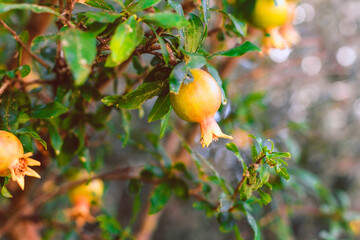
[
  {"x": 49, "y": 110},
  {"x": 137, "y": 97},
  {"x": 177, "y": 6},
  {"x": 33, "y": 134},
  {"x": 43, "y": 41},
  {"x": 193, "y": 33},
  {"x": 164, "y": 124},
  {"x": 127, "y": 37},
  {"x": 160, "y": 197},
  {"x": 4, "y": 7},
  {"x": 5, "y": 192},
  {"x": 166, "y": 20},
  {"x": 205, "y": 7},
  {"x": 213, "y": 71},
  {"x": 237, "y": 51},
  {"x": 138, "y": 5},
  {"x": 103, "y": 16},
  {"x": 265, "y": 197},
  {"x": 251, "y": 220},
  {"x": 283, "y": 172},
  {"x": 22, "y": 70},
  {"x": 80, "y": 52},
  {"x": 160, "y": 109},
  {"x": 99, "y": 4},
  {"x": 56, "y": 140}
]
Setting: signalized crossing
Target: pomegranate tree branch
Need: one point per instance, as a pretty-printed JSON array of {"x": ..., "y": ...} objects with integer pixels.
[{"x": 17, "y": 38}]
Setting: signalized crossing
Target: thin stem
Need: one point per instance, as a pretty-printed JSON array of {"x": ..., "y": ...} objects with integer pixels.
[{"x": 17, "y": 38}]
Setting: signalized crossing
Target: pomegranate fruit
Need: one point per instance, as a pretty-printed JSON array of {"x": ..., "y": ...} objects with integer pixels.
[
  {"x": 198, "y": 101},
  {"x": 82, "y": 197},
  {"x": 268, "y": 17},
  {"x": 13, "y": 161}
]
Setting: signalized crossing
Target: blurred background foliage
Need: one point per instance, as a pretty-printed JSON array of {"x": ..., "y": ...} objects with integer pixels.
[{"x": 305, "y": 99}]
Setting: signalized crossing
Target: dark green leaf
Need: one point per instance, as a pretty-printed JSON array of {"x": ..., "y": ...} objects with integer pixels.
[
  {"x": 134, "y": 185},
  {"x": 102, "y": 4},
  {"x": 251, "y": 220},
  {"x": 213, "y": 71},
  {"x": 137, "y": 97},
  {"x": 138, "y": 5},
  {"x": 80, "y": 52},
  {"x": 33, "y": 134},
  {"x": 127, "y": 37},
  {"x": 160, "y": 197},
  {"x": 49, "y": 110},
  {"x": 164, "y": 124},
  {"x": 193, "y": 33},
  {"x": 160, "y": 109},
  {"x": 265, "y": 197},
  {"x": 43, "y": 41},
  {"x": 4, "y": 7},
  {"x": 166, "y": 20},
  {"x": 68, "y": 149},
  {"x": 55, "y": 138},
  {"x": 177, "y": 76},
  {"x": 226, "y": 221},
  {"x": 180, "y": 187},
  {"x": 237, "y": 51}
]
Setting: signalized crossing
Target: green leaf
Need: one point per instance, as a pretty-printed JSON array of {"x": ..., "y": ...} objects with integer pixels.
[
  {"x": 177, "y": 76},
  {"x": 237, "y": 51},
  {"x": 99, "y": 4},
  {"x": 80, "y": 52},
  {"x": 193, "y": 33},
  {"x": 205, "y": 8},
  {"x": 160, "y": 197},
  {"x": 160, "y": 109},
  {"x": 22, "y": 70},
  {"x": 177, "y": 6},
  {"x": 226, "y": 221},
  {"x": 43, "y": 41},
  {"x": 138, "y": 5},
  {"x": 109, "y": 224},
  {"x": 4, "y": 7},
  {"x": 251, "y": 220},
  {"x": 134, "y": 186},
  {"x": 103, "y": 16},
  {"x": 127, "y": 37},
  {"x": 68, "y": 149},
  {"x": 265, "y": 197},
  {"x": 125, "y": 120},
  {"x": 5, "y": 192},
  {"x": 213, "y": 71},
  {"x": 137, "y": 97},
  {"x": 180, "y": 187},
  {"x": 56, "y": 140},
  {"x": 283, "y": 172},
  {"x": 166, "y": 20},
  {"x": 49, "y": 110},
  {"x": 164, "y": 124},
  {"x": 33, "y": 134},
  {"x": 239, "y": 26}
]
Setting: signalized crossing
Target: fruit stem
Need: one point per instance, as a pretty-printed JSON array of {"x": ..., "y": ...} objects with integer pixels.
[{"x": 210, "y": 131}]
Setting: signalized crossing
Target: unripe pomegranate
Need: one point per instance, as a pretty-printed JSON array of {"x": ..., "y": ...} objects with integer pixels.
[
  {"x": 13, "y": 160},
  {"x": 198, "y": 101},
  {"x": 83, "y": 196}
]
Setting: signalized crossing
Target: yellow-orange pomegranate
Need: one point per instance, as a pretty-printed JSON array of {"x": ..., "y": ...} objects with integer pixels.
[
  {"x": 83, "y": 196},
  {"x": 198, "y": 101},
  {"x": 13, "y": 161},
  {"x": 268, "y": 17}
]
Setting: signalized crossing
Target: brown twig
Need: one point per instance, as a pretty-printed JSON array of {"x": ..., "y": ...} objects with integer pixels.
[
  {"x": 5, "y": 86},
  {"x": 17, "y": 38}
]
